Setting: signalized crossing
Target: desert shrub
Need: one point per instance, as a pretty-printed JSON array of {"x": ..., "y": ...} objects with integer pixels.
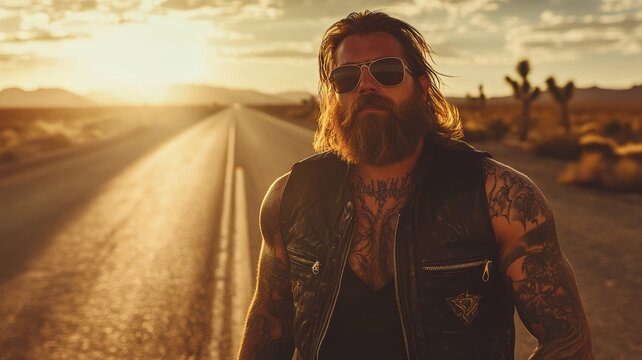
[
  {"x": 498, "y": 128},
  {"x": 589, "y": 128},
  {"x": 594, "y": 169},
  {"x": 598, "y": 144},
  {"x": 605, "y": 164},
  {"x": 476, "y": 132},
  {"x": 613, "y": 128},
  {"x": 621, "y": 131},
  {"x": 8, "y": 156},
  {"x": 559, "y": 146},
  {"x": 8, "y": 138}
]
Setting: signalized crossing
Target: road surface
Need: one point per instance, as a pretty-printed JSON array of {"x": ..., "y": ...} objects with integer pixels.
[{"x": 145, "y": 249}]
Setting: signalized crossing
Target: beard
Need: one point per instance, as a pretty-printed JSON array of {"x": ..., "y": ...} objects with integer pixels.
[{"x": 381, "y": 137}]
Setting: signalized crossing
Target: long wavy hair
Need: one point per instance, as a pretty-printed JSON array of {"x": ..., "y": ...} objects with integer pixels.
[{"x": 444, "y": 122}]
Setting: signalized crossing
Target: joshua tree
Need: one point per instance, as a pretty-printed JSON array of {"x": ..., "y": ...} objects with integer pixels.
[
  {"x": 562, "y": 95},
  {"x": 477, "y": 103},
  {"x": 482, "y": 101},
  {"x": 524, "y": 93}
]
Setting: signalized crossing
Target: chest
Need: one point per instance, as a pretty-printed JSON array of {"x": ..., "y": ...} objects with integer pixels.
[{"x": 371, "y": 255}]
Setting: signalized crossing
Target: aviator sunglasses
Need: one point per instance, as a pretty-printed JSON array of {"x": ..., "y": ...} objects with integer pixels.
[{"x": 387, "y": 71}]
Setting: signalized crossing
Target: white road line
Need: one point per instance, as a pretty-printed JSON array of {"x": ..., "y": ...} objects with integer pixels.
[
  {"x": 242, "y": 272},
  {"x": 220, "y": 273}
]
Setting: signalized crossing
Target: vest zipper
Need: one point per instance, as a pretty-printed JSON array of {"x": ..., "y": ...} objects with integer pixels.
[
  {"x": 315, "y": 265},
  {"x": 326, "y": 321},
  {"x": 485, "y": 275},
  {"x": 403, "y": 324}
]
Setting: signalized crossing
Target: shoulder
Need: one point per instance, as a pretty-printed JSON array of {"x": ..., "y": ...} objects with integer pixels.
[
  {"x": 515, "y": 204},
  {"x": 269, "y": 213},
  {"x": 502, "y": 175}
]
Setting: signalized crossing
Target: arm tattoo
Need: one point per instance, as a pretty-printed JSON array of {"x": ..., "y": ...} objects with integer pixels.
[
  {"x": 541, "y": 280},
  {"x": 270, "y": 319},
  {"x": 268, "y": 332},
  {"x": 378, "y": 204}
]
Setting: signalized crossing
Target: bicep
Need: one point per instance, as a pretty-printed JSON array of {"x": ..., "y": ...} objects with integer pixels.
[
  {"x": 535, "y": 269},
  {"x": 268, "y": 327},
  {"x": 273, "y": 280}
]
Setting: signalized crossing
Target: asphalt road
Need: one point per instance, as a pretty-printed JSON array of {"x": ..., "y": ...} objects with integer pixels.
[{"x": 146, "y": 248}]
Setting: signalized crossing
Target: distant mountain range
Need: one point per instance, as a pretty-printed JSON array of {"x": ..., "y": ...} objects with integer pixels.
[
  {"x": 589, "y": 98},
  {"x": 586, "y": 98},
  {"x": 180, "y": 95},
  {"x": 43, "y": 98}
]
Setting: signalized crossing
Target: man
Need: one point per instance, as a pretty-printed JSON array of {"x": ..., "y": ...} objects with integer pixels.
[{"x": 399, "y": 241}]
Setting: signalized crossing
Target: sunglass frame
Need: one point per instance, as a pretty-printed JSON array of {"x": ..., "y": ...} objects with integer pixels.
[{"x": 367, "y": 64}]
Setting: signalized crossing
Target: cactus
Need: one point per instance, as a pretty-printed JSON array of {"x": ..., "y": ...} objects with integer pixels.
[
  {"x": 524, "y": 93},
  {"x": 562, "y": 95}
]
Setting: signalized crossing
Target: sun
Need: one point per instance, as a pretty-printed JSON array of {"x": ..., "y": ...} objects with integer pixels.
[{"x": 142, "y": 59}]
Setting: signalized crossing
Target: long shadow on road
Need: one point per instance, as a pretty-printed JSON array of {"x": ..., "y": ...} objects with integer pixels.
[{"x": 38, "y": 202}]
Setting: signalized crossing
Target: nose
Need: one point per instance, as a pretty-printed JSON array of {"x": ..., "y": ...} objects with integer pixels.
[{"x": 367, "y": 83}]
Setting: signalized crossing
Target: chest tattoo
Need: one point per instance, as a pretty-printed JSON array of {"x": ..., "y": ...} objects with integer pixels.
[{"x": 377, "y": 204}]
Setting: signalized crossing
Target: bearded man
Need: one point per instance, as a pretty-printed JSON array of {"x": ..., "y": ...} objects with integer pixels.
[{"x": 397, "y": 240}]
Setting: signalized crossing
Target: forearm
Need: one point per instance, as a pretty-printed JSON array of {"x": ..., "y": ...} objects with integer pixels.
[
  {"x": 266, "y": 338},
  {"x": 280, "y": 349},
  {"x": 550, "y": 305}
]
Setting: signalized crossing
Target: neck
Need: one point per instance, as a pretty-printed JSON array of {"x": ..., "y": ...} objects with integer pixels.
[{"x": 397, "y": 170}]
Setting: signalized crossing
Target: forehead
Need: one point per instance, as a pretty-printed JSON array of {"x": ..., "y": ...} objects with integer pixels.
[{"x": 366, "y": 47}]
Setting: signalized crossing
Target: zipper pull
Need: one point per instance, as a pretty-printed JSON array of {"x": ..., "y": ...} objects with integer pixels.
[
  {"x": 315, "y": 267},
  {"x": 486, "y": 274}
]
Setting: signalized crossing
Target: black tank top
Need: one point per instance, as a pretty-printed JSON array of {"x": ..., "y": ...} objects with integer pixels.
[{"x": 365, "y": 323}]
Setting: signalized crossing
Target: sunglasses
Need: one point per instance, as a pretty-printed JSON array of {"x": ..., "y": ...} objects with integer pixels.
[{"x": 387, "y": 71}]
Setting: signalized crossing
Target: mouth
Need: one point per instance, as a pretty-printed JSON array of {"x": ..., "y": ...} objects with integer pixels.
[{"x": 371, "y": 108}]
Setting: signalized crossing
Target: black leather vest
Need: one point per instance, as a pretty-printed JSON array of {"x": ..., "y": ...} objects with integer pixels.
[{"x": 452, "y": 300}]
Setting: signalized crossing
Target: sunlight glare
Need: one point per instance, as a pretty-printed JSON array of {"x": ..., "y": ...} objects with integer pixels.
[{"x": 141, "y": 60}]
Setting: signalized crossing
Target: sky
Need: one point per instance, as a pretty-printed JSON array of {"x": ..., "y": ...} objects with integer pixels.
[{"x": 134, "y": 46}]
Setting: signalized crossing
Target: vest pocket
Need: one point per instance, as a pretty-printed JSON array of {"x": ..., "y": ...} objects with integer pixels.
[
  {"x": 462, "y": 266},
  {"x": 305, "y": 262},
  {"x": 455, "y": 295},
  {"x": 304, "y": 275}
]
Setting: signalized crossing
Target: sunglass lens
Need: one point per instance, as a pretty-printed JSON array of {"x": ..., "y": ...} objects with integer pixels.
[
  {"x": 388, "y": 72},
  {"x": 345, "y": 78}
]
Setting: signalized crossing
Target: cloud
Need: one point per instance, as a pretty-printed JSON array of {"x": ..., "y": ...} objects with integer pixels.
[
  {"x": 21, "y": 59},
  {"x": 227, "y": 11},
  {"x": 39, "y": 35},
  {"x": 612, "y": 6},
  {"x": 456, "y": 8},
  {"x": 570, "y": 44},
  {"x": 10, "y": 24},
  {"x": 573, "y": 36},
  {"x": 564, "y": 24},
  {"x": 189, "y": 4},
  {"x": 447, "y": 50},
  {"x": 276, "y": 50},
  {"x": 281, "y": 54}
]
